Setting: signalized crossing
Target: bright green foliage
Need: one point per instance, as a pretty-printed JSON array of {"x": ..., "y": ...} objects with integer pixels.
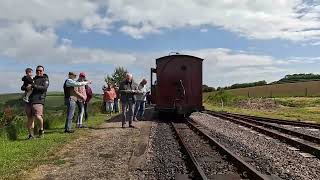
[{"x": 118, "y": 75}]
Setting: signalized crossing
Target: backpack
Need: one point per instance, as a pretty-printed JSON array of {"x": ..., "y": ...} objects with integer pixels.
[{"x": 89, "y": 93}]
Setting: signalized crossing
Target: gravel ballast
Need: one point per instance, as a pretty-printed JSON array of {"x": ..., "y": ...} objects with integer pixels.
[
  {"x": 268, "y": 155},
  {"x": 165, "y": 160},
  {"x": 209, "y": 159},
  {"x": 304, "y": 130}
]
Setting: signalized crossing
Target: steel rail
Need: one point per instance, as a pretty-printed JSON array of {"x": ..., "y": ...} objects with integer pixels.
[
  {"x": 282, "y": 121},
  {"x": 242, "y": 166},
  {"x": 192, "y": 160},
  {"x": 254, "y": 120},
  {"x": 315, "y": 150}
]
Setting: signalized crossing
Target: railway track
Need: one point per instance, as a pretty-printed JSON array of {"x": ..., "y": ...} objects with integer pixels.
[
  {"x": 304, "y": 142},
  {"x": 280, "y": 121},
  {"x": 208, "y": 158}
]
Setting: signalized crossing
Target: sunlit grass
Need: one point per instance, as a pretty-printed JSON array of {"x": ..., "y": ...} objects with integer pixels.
[{"x": 26, "y": 154}]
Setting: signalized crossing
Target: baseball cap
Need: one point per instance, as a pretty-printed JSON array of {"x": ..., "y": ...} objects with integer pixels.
[{"x": 82, "y": 74}]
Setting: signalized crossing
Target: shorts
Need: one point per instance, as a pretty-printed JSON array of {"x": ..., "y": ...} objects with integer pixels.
[{"x": 34, "y": 110}]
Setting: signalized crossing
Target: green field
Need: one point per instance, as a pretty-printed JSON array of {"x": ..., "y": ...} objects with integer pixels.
[
  {"x": 17, "y": 153},
  {"x": 289, "y": 108},
  {"x": 298, "y": 89}
]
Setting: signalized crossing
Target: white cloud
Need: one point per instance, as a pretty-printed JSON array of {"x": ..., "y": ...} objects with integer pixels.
[
  {"x": 221, "y": 67},
  {"x": 294, "y": 20},
  {"x": 46, "y": 13},
  {"x": 28, "y": 33},
  {"x": 286, "y": 19},
  {"x": 204, "y": 30},
  {"x": 23, "y": 42}
]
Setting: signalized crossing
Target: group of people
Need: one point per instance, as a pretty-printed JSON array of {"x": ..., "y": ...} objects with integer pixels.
[
  {"x": 77, "y": 92},
  {"x": 132, "y": 99}
]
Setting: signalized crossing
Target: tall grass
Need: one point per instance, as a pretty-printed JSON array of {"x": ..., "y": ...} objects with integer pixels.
[
  {"x": 13, "y": 119},
  {"x": 224, "y": 98}
]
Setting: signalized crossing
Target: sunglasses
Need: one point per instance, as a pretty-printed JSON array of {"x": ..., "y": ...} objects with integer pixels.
[{"x": 38, "y": 70}]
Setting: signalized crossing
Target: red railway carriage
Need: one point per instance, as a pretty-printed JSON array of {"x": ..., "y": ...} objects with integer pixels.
[{"x": 178, "y": 84}]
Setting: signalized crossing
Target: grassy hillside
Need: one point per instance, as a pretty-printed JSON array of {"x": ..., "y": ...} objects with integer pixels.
[
  {"x": 53, "y": 100},
  {"x": 299, "y": 89},
  {"x": 17, "y": 153},
  {"x": 291, "y": 108}
]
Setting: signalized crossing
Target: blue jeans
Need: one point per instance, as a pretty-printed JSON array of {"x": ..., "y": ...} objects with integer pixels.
[
  {"x": 127, "y": 107},
  {"x": 80, "y": 113},
  {"x": 139, "y": 108},
  {"x": 109, "y": 107},
  {"x": 116, "y": 105},
  {"x": 71, "y": 106}
]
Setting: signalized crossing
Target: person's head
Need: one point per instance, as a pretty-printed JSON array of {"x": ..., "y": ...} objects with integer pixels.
[
  {"x": 109, "y": 85},
  {"x": 82, "y": 76},
  {"x": 40, "y": 70},
  {"x": 129, "y": 77},
  {"x": 72, "y": 75},
  {"x": 143, "y": 82},
  {"x": 29, "y": 72}
]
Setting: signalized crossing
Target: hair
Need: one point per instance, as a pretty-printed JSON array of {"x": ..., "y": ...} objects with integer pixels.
[
  {"x": 40, "y": 66},
  {"x": 28, "y": 70}
]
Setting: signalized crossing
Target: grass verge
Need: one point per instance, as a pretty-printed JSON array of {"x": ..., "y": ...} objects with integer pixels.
[{"x": 26, "y": 154}]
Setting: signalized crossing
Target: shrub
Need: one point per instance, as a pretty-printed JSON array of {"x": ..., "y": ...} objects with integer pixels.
[{"x": 10, "y": 123}]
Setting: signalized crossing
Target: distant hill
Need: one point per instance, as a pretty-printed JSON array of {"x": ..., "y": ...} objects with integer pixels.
[{"x": 298, "y": 78}]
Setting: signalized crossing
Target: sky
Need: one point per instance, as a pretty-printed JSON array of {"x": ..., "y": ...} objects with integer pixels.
[{"x": 239, "y": 40}]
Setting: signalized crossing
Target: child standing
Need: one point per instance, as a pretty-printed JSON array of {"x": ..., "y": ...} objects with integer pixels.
[{"x": 27, "y": 81}]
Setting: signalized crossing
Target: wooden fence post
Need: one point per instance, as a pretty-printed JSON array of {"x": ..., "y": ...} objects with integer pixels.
[{"x": 306, "y": 92}]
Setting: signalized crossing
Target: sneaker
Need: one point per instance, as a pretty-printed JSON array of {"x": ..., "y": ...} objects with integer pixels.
[
  {"x": 130, "y": 126},
  {"x": 30, "y": 137},
  {"x": 83, "y": 126},
  {"x": 135, "y": 119},
  {"x": 41, "y": 133},
  {"x": 69, "y": 131}
]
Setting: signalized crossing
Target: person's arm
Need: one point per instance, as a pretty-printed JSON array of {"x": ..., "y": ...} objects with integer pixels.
[
  {"x": 73, "y": 83},
  {"x": 43, "y": 87},
  {"x": 78, "y": 93}
]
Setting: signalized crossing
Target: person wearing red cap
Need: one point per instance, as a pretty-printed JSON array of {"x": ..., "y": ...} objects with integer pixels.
[
  {"x": 81, "y": 90},
  {"x": 71, "y": 96}
]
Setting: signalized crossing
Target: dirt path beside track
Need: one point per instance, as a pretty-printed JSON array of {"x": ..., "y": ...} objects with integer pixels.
[{"x": 107, "y": 152}]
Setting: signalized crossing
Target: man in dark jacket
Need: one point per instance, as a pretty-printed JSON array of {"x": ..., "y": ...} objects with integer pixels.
[
  {"x": 127, "y": 89},
  {"x": 37, "y": 99}
]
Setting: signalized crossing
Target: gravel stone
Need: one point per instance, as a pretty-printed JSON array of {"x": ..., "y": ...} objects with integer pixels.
[
  {"x": 304, "y": 130},
  {"x": 165, "y": 159},
  {"x": 210, "y": 160},
  {"x": 268, "y": 155}
]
